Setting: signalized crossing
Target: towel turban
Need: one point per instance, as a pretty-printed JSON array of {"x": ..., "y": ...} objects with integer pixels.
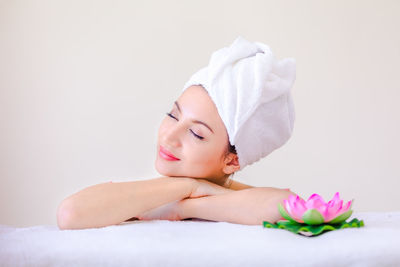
[{"x": 251, "y": 90}]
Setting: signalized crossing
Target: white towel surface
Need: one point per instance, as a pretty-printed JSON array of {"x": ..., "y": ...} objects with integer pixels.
[{"x": 203, "y": 243}]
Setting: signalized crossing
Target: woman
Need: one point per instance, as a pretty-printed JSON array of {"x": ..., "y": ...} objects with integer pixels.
[{"x": 219, "y": 112}]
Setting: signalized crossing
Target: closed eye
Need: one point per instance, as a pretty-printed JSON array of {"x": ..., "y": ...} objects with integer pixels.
[
  {"x": 196, "y": 135},
  {"x": 172, "y": 116}
]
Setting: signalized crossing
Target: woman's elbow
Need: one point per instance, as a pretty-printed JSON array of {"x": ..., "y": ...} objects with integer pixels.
[
  {"x": 271, "y": 216},
  {"x": 270, "y": 211},
  {"x": 66, "y": 215}
]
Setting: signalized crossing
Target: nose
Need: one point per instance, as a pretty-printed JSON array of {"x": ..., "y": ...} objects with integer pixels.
[{"x": 172, "y": 135}]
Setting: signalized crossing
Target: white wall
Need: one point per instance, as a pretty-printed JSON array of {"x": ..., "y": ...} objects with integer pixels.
[{"x": 85, "y": 84}]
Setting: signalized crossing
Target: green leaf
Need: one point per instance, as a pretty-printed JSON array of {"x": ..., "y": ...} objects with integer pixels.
[
  {"x": 342, "y": 217},
  {"x": 313, "y": 230},
  {"x": 313, "y": 217},
  {"x": 284, "y": 214}
]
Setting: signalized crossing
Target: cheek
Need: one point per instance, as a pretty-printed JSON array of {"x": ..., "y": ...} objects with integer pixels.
[
  {"x": 202, "y": 160},
  {"x": 205, "y": 154}
]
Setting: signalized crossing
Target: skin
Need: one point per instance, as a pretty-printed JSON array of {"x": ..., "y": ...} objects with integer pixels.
[
  {"x": 207, "y": 158},
  {"x": 190, "y": 187}
]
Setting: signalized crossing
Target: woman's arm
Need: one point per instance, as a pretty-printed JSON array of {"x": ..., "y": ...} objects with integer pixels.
[
  {"x": 112, "y": 203},
  {"x": 248, "y": 206},
  {"x": 235, "y": 185},
  {"x": 172, "y": 212}
]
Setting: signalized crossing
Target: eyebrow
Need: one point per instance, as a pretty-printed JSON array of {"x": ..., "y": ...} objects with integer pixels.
[{"x": 195, "y": 121}]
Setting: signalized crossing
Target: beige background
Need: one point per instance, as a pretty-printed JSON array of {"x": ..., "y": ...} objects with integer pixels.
[{"x": 85, "y": 84}]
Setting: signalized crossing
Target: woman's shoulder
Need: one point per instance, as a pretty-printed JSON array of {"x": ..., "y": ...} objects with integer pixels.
[{"x": 235, "y": 185}]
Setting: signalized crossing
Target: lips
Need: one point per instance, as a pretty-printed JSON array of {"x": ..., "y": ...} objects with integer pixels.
[{"x": 166, "y": 154}]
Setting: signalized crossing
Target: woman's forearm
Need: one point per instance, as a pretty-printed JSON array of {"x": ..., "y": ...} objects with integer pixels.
[
  {"x": 249, "y": 206},
  {"x": 112, "y": 203}
]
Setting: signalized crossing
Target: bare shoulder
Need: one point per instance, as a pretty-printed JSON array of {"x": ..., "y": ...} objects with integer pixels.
[
  {"x": 235, "y": 185},
  {"x": 286, "y": 192}
]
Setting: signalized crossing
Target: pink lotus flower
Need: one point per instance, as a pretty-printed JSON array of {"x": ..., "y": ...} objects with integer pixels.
[{"x": 315, "y": 210}]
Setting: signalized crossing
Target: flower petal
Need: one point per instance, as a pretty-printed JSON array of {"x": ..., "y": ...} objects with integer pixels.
[
  {"x": 324, "y": 210},
  {"x": 315, "y": 196},
  {"x": 292, "y": 210},
  {"x": 314, "y": 201},
  {"x": 298, "y": 209},
  {"x": 340, "y": 211},
  {"x": 348, "y": 205},
  {"x": 342, "y": 217},
  {"x": 292, "y": 200},
  {"x": 284, "y": 213},
  {"x": 335, "y": 210},
  {"x": 302, "y": 203},
  {"x": 335, "y": 198},
  {"x": 313, "y": 217}
]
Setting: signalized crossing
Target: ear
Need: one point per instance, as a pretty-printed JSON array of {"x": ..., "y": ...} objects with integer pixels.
[{"x": 231, "y": 163}]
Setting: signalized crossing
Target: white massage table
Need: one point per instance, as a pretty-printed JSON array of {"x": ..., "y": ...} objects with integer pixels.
[{"x": 203, "y": 243}]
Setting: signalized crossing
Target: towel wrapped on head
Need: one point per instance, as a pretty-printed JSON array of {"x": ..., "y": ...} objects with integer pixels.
[{"x": 251, "y": 90}]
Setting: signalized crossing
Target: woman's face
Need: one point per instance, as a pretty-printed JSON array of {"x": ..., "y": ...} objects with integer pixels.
[{"x": 195, "y": 137}]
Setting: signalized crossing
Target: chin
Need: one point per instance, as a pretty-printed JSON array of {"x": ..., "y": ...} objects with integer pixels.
[
  {"x": 165, "y": 171},
  {"x": 172, "y": 173}
]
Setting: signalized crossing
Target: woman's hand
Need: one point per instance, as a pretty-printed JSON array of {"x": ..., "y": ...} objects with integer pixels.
[
  {"x": 173, "y": 211},
  {"x": 169, "y": 211},
  {"x": 202, "y": 188}
]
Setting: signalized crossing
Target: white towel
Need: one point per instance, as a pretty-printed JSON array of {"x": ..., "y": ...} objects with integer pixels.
[
  {"x": 251, "y": 90},
  {"x": 203, "y": 243}
]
